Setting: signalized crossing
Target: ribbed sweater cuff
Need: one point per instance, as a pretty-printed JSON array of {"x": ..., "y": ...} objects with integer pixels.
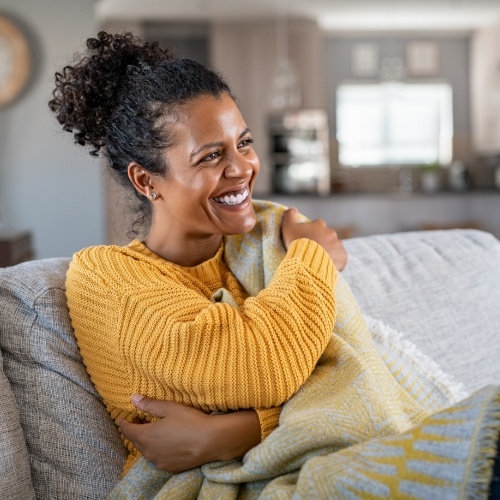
[
  {"x": 268, "y": 418},
  {"x": 315, "y": 257}
]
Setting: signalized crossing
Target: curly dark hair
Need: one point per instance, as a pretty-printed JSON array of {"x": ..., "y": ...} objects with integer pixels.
[{"x": 116, "y": 96}]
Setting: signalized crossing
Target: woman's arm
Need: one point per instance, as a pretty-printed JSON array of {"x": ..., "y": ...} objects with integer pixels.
[
  {"x": 219, "y": 357},
  {"x": 143, "y": 331},
  {"x": 184, "y": 438}
]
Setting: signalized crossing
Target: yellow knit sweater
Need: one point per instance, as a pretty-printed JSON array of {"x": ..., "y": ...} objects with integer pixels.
[{"x": 147, "y": 326}]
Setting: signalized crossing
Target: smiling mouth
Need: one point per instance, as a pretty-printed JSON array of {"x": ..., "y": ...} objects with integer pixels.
[{"x": 232, "y": 199}]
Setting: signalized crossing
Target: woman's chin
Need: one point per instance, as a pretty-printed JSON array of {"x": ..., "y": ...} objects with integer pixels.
[
  {"x": 235, "y": 219},
  {"x": 242, "y": 226}
]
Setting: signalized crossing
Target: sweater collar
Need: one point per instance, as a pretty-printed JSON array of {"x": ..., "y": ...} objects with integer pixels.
[{"x": 205, "y": 272}]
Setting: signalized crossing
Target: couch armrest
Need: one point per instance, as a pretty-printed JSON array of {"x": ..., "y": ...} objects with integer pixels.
[{"x": 74, "y": 447}]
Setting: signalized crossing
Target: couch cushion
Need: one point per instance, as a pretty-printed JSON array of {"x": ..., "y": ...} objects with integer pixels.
[
  {"x": 438, "y": 289},
  {"x": 15, "y": 479},
  {"x": 74, "y": 447}
]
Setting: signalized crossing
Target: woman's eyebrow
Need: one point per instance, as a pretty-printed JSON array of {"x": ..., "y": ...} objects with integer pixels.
[
  {"x": 215, "y": 144},
  {"x": 205, "y": 146},
  {"x": 244, "y": 132}
]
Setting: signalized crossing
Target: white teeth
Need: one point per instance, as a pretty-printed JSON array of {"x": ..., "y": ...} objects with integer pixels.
[{"x": 233, "y": 200}]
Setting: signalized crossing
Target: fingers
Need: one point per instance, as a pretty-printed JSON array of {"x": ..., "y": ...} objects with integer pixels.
[
  {"x": 290, "y": 216},
  {"x": 130, "y": 430},
  {"x": 175, "y": 442},
  {"x": 288, "y": 221},
  {"x": 290, "y": 212},
  {"x": 293, "y": 227},
  {"x": 152, "y": 406},
  {"x": 322, "y": 223}
]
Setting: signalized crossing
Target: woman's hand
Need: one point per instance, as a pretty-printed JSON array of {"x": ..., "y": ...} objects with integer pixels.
[
  {"x": 316, "y": 230},
  {"x": 184, "y": 437}
]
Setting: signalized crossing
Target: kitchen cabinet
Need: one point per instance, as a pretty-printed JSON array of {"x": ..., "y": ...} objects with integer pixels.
[{"x": 485, "y": 90}]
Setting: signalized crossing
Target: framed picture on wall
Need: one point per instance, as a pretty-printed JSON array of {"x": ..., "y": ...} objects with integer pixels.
[
  {"x": 365, "y": 59},
  {"x": 422, "y": 58}
]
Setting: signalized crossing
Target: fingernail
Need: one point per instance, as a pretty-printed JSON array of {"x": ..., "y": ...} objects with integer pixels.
[{"x": 136, "y": 398}]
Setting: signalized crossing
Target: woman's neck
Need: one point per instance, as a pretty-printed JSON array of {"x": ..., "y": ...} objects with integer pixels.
[{"x": 183, "y": 251}]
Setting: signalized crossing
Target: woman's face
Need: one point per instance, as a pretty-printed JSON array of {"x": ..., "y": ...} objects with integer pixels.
[{"x": 211, "y": 170}]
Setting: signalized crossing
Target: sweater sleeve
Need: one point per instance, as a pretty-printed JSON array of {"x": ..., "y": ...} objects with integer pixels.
[
  {"x": 167, "y": 341},
  {"x": 268, "y": 419}
]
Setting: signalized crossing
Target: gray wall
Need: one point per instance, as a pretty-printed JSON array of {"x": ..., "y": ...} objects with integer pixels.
[{"x": 48, "y": 186}]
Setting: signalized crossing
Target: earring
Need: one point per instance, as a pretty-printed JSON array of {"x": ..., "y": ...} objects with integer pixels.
[{"x": 153, "y": 196}]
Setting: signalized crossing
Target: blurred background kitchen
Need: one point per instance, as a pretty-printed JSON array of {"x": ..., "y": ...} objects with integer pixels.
[{"x": 376, "y": 115}]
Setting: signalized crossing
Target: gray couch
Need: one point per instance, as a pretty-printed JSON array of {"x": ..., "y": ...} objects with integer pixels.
[{"x": 433, "y": 296}]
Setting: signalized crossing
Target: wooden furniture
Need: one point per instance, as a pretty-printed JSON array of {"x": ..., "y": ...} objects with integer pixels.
[{"x": 15, "y": 247}]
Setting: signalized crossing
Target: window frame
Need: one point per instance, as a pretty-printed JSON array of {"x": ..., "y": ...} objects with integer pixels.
[{"x": 443, "y": 142}]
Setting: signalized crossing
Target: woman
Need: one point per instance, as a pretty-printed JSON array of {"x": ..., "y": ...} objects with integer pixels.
[{"x": 148, "y": 317}]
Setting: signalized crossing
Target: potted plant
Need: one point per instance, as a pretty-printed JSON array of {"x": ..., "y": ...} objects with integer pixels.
[{"x": 430, "y": 177}]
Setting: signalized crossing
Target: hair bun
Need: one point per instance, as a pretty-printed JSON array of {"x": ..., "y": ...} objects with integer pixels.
[{"x": 87, "y": 92}]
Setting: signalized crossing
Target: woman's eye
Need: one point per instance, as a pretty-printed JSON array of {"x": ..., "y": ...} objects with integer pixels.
[
  {"x": 211, "y": 156},
  {"x": 246, "y": 142}
]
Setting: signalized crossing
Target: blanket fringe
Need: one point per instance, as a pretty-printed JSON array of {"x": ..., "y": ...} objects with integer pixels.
[
  {"x": 486, "y": 449},
  {"x": 391, "y": 338}
]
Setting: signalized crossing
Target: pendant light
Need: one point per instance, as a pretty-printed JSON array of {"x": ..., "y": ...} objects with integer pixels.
[{"x": 285, "y": 88}]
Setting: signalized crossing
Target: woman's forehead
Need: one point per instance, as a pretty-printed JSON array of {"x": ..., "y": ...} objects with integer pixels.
[{"x": 206, "y": 113}]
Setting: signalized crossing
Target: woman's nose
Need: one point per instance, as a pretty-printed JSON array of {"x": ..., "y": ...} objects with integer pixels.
[{"x": 239, "y": 167}]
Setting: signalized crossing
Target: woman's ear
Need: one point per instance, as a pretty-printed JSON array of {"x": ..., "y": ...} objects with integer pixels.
[{"x": 140, "y": 178}]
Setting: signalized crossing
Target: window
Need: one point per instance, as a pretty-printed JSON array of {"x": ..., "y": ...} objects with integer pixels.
[{"x": 394, "y": 123}]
